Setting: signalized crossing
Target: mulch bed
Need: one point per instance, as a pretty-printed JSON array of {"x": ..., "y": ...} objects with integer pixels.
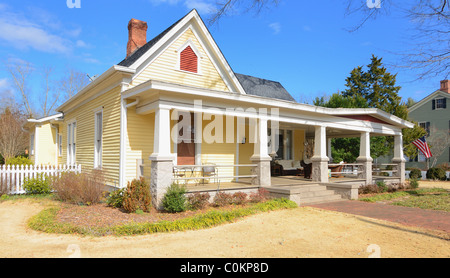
[{"x": 100, "y": 215}]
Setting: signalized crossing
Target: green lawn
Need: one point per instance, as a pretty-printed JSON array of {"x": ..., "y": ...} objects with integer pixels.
[{"x": 425, "y": 198}]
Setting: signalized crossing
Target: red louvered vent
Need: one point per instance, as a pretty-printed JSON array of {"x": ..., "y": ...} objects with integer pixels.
[{"x": 188, "y": 60}]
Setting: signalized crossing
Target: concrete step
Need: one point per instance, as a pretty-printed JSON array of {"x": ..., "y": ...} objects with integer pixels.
[
  {"x": 317, "y": 193},
  {"x": 320, "y": 199},
  {"x": 305, "y": 194}
]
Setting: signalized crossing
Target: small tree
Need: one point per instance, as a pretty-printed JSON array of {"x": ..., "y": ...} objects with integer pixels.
[
  {"x": 438, "y": 141},
  {"x": 13, "y": 139}
]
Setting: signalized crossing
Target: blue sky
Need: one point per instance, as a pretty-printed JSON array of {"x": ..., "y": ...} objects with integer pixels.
[{"x": 302, "y": 44}]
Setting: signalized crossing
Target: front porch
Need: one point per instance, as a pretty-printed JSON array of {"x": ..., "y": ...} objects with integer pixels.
[{"x": 247, "y": 141}]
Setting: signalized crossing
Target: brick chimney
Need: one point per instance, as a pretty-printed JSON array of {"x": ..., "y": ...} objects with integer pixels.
[
  {"x": 445, "y": 86},
  {"x": 137, "y": 35}
]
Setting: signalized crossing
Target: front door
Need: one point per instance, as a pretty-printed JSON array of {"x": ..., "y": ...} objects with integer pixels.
[{"x": 186, "y": 148}]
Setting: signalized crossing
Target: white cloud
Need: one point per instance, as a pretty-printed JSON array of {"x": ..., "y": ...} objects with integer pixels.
[
  {"x": 24, "y": 35},
  {"x": 41, "y": 32},
  {"x": 276, "y": 27}
]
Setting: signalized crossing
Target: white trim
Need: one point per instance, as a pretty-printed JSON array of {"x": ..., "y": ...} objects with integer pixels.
[
  {"x": 197, "y": 53},
  {"x": 71, "y": 135},
  {"x": 268, "y": 102},
  {"x": 97, "y": 81},
  {"x": 436, "y": 103},
  {"x": 183, "y": 25},
  {"x": 98, "y": 153},
  {"x": 428, "y": 98},
  {"x": 41, "y": 120}
]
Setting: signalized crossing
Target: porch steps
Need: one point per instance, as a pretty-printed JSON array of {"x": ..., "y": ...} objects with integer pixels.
[{"x": 304, "y": 194}]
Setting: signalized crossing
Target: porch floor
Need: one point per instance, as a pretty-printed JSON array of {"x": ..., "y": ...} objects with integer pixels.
[
  {"x": 245, "y": 183},
  {"x": 279, "y": 181}
]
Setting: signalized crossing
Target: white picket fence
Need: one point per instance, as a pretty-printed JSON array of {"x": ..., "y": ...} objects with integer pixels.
[{"x": 12, "y": 177}]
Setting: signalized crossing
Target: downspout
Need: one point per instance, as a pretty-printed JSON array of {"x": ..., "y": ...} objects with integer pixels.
[{"x": 134, "y": 103}]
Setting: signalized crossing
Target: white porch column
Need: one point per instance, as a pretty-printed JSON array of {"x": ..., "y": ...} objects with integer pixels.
[
  {"x": 330, "y": 156},
  {"x": 399, "y": 159},
  {"x": 162, "y": 159},
  {"x": 320, "y": 160},
  {"x": 364, "y": 158},
  {"x": 260, "y": 156}
]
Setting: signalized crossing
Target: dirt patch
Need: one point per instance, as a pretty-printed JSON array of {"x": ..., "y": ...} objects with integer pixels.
[{"x": 301, "y": 232}]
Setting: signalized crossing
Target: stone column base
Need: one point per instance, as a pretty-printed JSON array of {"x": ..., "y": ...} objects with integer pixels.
[
  {"x": 366, "y": 170},
  {"x": 319, "y": 170},
  {"x": 400, "y": 168},
  {"x": 161, "y": 178},
  {"x": 262, "y": 171}
]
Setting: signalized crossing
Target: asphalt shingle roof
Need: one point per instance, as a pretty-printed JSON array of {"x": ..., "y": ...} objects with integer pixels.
[{"x": 263, "y": 87}]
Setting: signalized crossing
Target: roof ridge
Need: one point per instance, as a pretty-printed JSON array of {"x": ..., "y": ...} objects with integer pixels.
[{"x": 128, "y": 61}]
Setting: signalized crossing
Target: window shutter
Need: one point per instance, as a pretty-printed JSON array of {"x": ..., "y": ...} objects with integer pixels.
[
  {"x": 434, "y": 104},
  {"x": 188, "y": 60},
  {"x": 444, "y": 103}
]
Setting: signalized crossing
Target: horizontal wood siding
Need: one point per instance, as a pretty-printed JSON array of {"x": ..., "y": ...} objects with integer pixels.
[
  {"x": 85, "y": 119},
  {"x": 139, "y": 145},
  {"x": 167, "y": 68}
]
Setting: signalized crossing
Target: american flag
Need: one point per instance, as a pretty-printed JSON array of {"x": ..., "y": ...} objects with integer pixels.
[{"x": 421, "y": 143}]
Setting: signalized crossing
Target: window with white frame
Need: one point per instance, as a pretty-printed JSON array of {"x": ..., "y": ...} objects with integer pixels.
[
  {"x": 71, "y": 142},
  {"x": 440, "y": 103},
  {"x": 98, "y": 139},
  {"x": 60, "y": 144}
]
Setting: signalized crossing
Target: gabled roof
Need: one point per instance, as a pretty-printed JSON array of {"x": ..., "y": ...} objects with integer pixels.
[
  {"x": 263, "y": 88},
  {"x": 250, "y": 85},
  {"x": 127, "y": 62},
  {"x": 428, "y": 98}
]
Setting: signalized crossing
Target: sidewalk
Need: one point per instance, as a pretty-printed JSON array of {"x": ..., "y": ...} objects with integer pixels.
[{"x": 424, "y": 218}]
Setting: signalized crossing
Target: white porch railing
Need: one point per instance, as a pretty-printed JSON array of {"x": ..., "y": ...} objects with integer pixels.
[
  {"x": 347, "y": 169},
  {"x": 200, "y": 173},
  {"x": 12, "y": 177},
  {"x": 384, "y": 168}
]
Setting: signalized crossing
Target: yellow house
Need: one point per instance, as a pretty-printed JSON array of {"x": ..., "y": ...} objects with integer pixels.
[{"x": 174, "y": 109}]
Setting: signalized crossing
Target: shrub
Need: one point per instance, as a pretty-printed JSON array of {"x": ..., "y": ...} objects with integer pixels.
[
  {"x": 367, "y": 189},
  {"x": 115, "y": 198},
  {"x": 382, "y": 186},
  {"x": 260, "y": 196},
  {"x": 414, "y": 183},
  {"x": 38, "y": 185},
  {"x": 415, "y": 174},
  {"x": 436, "y": 174},
  {"x": 19, "y": 160},
  {"x": 174, "y": 200},
  {"x": 198, "y": 200},
  {"x": 222, "y": 199},
  {"x": 239, "y": 198},
  {"x": 137, "y": 196},
  {"x": 84, "y": 188}
]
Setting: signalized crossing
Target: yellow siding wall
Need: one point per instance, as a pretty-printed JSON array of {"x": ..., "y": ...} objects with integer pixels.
[
  {"x": 164, "y": 68},
  {"x": 299, "y": 140},
  {"x": 140, "y": 142},
  {"x": 45, "y": 145},
  {"x": 85, "y": 119}
]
